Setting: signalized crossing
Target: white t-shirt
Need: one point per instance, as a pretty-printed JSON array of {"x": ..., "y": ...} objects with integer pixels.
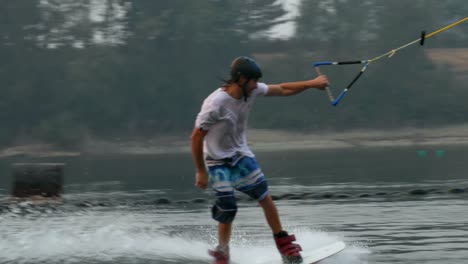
[{"x": 225, "y": 118}]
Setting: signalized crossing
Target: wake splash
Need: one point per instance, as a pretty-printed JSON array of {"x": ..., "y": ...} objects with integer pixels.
[{"x": 136, "y": 238}]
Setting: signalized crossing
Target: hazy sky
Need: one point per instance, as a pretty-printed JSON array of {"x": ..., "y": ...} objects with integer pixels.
[{"x": 286, "y": 30}]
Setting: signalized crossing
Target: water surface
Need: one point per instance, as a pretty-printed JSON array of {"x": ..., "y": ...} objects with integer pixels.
[{"x": 390, "y": 205}]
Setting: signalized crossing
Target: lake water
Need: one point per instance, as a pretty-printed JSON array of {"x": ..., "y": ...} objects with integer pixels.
[{"x": 389, "y": 205}]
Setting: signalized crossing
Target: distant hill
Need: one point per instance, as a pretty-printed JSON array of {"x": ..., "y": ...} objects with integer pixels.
[{"x": 455, "y": 59}]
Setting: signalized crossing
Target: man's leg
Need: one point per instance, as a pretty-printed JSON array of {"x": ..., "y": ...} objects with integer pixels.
[
  {"x": 271, "y": 214},
  {"x": 224, "y": 234},
  {"x": 253, "y": 183},
  {"x": 284, "y": 242},
  {"x": 224, "y": 212}
]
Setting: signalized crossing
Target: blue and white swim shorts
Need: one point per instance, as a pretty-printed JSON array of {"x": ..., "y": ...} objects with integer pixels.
[
  {"x": 244, "y": 175},
  {"x": 239, "y": 173}
]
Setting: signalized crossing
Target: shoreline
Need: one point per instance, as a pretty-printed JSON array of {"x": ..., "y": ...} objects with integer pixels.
[{"x": 260, "y": 140}]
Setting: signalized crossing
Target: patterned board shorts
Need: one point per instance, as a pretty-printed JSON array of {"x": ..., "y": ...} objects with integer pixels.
[{"x": 245, "y": 176}]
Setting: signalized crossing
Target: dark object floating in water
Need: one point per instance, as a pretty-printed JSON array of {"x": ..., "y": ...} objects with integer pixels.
[
  {"x": 418, "y": 192},
  {"x": 457, "y": 190},
  {"x": 163, "y": 201},
  {"x": 37, "y": 179}
]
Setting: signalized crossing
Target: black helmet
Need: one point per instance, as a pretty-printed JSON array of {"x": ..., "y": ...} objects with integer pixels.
[{"x": 245, "y": 66}]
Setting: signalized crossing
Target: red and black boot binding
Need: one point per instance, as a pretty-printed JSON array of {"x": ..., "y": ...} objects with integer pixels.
[
  {"x": 289, "y": 251},
  {"x": 220, "y": 255}
]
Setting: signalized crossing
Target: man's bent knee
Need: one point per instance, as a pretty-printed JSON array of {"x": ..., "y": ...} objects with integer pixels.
[{"x": 225, "y": 208}]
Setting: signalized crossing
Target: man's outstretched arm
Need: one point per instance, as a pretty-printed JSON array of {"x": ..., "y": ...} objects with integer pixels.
[{"x": 292, "y": 88}]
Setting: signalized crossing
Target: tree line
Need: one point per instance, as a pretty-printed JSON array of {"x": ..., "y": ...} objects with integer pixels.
[{"x": 116, "y": 68}]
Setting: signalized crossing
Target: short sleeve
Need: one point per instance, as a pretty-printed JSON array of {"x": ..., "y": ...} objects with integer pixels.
[
  {"x": 209, "y": 115},
  {"x": 262, "y": 89}
]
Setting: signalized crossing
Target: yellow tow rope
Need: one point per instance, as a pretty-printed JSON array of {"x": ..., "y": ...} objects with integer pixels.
[{"x": 393, "y": 51}]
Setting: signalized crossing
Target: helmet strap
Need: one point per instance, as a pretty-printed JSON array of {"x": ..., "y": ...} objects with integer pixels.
[
  {"x": 244, "y": 89},
  {"x": 243, "y": 86}
]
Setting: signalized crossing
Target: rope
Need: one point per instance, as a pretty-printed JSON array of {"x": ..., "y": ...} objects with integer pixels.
[{"x": 392, "y": 52}]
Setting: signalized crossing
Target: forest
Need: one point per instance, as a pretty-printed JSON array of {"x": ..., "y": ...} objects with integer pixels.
[{"x": 115, "y": 68}]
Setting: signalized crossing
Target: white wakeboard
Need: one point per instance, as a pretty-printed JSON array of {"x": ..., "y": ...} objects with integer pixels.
[
  {"x": 314, "y": 256},
  {"x": 323, "y": 252}
]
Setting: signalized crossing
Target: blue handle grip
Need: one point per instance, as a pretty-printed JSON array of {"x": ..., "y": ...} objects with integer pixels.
[
  {"x": 322, "y": 63},
  {"x": 338, "y": 99}
]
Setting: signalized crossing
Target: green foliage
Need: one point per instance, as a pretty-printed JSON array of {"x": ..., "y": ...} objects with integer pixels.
[{"x": 142, "y": 68}]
